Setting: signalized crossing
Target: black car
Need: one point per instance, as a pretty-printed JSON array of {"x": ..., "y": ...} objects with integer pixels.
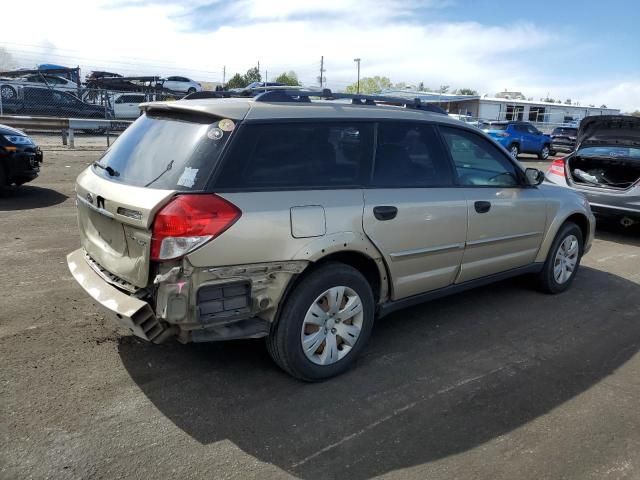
[
  {"x": 563, "y": 139},
  {"x": 53, "y": 103},
  {"x": 20, "y": 157}
]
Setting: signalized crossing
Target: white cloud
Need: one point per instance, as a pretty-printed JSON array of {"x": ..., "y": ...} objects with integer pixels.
[{"x": 166, "y": 37}]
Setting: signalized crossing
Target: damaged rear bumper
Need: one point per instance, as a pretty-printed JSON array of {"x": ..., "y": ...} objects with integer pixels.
[
  {"x": 192, "y": 304},
  {"x": 132, "y": 313}
]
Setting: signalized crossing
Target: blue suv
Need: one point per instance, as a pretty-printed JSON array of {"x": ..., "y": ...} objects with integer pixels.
[{"x": 520, "y": 137}]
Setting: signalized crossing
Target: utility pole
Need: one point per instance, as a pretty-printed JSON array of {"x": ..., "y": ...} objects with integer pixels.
[
  {"x": 357, "y": 60},
  {"x": 224, "y": 74},
  {"x": 321, "y": 71}
]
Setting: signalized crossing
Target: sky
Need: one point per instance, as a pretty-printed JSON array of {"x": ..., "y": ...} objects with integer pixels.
[{"x": 583, "y": 50}]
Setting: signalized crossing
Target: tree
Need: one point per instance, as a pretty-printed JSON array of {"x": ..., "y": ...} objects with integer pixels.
[
  {"x": 6, "y": 60},
  {"x": 636, "y": 113},
  {"x": 421, "y": 87},
  {"x": 443, "y": 89},
  {"x": 567, "y": 101},
  {"x": 237, "y": 81},
  {"x": 288, "y": 78},
  {"x": 252, "y": 75},
  {"x": 370, "y": 85},
  {"x": 466, "y": 91},
  {"x": 603, "y": 106}
]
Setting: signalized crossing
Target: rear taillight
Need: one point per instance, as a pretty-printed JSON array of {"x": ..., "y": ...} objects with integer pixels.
[
  {"x": 557, "y": 167},
  {"x": 189, "y": 221}
]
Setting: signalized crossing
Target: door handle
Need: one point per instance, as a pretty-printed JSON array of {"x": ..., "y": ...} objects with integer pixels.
[
  {"x": 482, "y": 206},
  {"x": 385, "y": 212}
]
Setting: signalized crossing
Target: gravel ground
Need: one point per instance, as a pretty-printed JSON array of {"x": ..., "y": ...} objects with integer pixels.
[{"x": 498, "y": 383}]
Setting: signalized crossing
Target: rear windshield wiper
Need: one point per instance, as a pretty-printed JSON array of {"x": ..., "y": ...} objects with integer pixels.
[
  {"x": 166, "y": 169},
  {"x": 112, "y": 172}
]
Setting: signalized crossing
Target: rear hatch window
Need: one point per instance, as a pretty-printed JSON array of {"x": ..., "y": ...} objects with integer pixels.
[
  {"x": 496, "y": 126},
  {"x": 171, "y": 151},
  {"x": 569, "y": 132}
]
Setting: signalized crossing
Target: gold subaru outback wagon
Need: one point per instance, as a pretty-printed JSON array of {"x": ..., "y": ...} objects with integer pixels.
[{"x": 303, "y": 221}]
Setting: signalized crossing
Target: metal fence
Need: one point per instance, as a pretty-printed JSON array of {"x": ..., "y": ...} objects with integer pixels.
[
  {"x": 16, "y": 99},
  {"x": 75, "y": 117}
]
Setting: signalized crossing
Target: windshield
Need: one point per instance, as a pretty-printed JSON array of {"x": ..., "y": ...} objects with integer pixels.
[
  {"x": 626, "y": 152},
  {"x": 565, "y": 131},
  {"x": 166, "y": 151}
]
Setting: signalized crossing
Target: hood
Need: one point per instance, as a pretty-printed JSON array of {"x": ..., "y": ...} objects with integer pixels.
[
  {"x": 621, "y": 130},
  {"x": 6, "y": 130}
]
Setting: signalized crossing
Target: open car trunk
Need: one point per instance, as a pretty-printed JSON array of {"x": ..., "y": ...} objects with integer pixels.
[{"x": 604, "y": 172}]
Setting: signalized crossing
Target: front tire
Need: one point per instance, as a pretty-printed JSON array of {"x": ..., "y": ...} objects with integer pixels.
[
  {"x": 563, "y": 260},
  {"x": 514, "y": 150},
  {"x": 324, "y": 323},
  {"x": 8, "y": 92}
]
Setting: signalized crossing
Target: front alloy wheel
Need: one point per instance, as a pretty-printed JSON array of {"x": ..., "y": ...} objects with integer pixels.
[
  {"x": 514, "y": 151},
  {"x": 7, "y": 92},
  {"x": 563, "y": 259},
  {"x": 564, "y": 263},
  {"x": 332, "y": 325}
]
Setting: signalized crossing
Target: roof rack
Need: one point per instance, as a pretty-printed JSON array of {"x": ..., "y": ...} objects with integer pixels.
[
  {"x": 295, "y": 95},
  {"x": 304, "y": 96}
]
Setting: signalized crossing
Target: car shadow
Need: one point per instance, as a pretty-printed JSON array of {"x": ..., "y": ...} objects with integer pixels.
[
  {"x": 27, "y": 197},
  {"x": 611, "y": 230},
  {"x": 435, "y": 380}
]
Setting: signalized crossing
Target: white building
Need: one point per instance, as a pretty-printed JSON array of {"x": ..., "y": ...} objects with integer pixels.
[{"x": 492, "y": 108}]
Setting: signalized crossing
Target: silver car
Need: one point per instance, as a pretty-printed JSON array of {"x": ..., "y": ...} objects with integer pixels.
[
  {"x": 605, "y": 166},
  {"x": 303, "y": 221}
]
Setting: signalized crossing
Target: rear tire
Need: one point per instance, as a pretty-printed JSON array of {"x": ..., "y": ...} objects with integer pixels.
[
  {"x": 514, "y": 150},
  {"x": 544, "y": 153},
  {"x": 563, "y": 260},
  {"x": 331, "y": 311}
]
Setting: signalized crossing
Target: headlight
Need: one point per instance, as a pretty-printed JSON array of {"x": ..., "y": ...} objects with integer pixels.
[{"x": 18, "y": 139}]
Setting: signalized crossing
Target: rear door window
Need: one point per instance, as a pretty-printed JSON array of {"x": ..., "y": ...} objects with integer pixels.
[
  {"x": 166, "y": 151},
  {"x": 299, "y": 155},
  {"x": 410, "y": 155}
]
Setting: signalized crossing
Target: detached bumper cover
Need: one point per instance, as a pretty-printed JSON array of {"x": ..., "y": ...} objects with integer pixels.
[{"x": 132, "y": 313}]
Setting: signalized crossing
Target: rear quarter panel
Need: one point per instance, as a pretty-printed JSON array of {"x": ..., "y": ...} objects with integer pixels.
[{"x": 264, "y": 231}]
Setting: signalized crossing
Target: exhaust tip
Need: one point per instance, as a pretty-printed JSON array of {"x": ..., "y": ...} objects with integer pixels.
[{"x": 627, "y": 222}]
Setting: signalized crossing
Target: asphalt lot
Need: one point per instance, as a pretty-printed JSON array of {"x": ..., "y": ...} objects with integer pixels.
[{"x": 498, "y": 383}]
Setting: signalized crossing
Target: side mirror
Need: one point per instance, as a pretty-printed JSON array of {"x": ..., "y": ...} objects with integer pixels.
[{"x": 534, "y": 176}]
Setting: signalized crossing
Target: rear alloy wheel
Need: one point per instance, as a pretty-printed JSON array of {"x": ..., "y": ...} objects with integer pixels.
[
  {"x": 563, "y": 260},
  {"x": 324, "y": 324},
  {"x": 544, "y": 153},
  {"x": 7, "y": 92},
  {"x": 191, "y": 90},
  {"x": 514, "y": 150}
]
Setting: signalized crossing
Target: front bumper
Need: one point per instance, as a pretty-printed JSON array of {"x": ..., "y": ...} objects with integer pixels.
[
  {"x": 132, "y": 313},
  {"x": 22, "y": 164}
]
